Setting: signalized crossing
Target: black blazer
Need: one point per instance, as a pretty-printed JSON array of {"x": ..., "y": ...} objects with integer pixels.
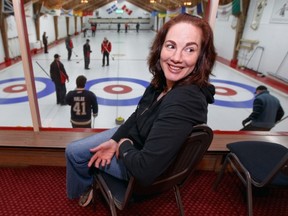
[{"x": 55, "y": 71}]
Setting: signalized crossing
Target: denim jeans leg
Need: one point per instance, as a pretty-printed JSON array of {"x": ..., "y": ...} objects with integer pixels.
[{"x": 78, "y": 175}]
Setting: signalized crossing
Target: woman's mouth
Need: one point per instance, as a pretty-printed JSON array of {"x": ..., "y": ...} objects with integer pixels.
[{"x": 174, "y": 69}]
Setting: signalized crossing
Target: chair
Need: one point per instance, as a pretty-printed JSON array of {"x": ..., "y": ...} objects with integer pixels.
[
  {"x": 257, "y": 164},
  {"x": 118, "y": 193}
]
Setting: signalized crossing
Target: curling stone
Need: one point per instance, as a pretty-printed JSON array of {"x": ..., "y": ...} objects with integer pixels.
[{"x": 119, "y": 120}]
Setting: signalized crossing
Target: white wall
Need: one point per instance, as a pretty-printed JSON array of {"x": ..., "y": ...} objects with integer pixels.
[
  {"x": 224, "y": 37},
  {"x": 47, "y": 25},
  {"x": 62, "y": 29},
  {"x": 271, "y": 36},
  {"x": 71, "y": 25},
  {"x": 13, "y": 42},
  {"x": 2, "y": 57},
  {"x": 12, "y": 34},
  {"x": 78, "y": 24}
]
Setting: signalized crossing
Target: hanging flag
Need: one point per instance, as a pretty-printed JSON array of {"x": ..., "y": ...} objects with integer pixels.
[
  {"x": 224, "y": 11},
  {"x": 173, "y": 13},
  {"x": 154, "y": 13},
  {"x": 87, "y": 13},
  {"x": 161, "y": 14},
  {"x": 7, "y": 7},
  {"x": 200, "y": 9},
  {"x": 183, "y": 9},
  {"x": 128, "y": 11},
  {"x": 66, "y": 13},
  {"x": 114, "y": 7},
  {"x": 236, "y": 7},
  {"x": 191, "y": 10},
  {"x": 50, "y": 11},
  {"x": 78, "y": 13},
  {"x": 111, "y": 9}
]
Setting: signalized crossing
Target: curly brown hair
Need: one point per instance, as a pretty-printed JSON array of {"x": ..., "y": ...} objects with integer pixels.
[{"x": 204, "y": 64}]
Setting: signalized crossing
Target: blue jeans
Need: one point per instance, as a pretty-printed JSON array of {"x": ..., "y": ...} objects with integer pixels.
[{"x": 79, "y": 176}]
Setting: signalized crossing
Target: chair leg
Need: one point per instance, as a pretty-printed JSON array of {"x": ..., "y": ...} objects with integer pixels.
[
  {"x": 94, "y": 195},
  {"x": 249, "y": 197},
  {"x": 221, "y": 174},
  {"x": 111, "y": 204},
  {"x": 178, "y": 200},
  {"x": 246, "y": 180},
  {"x": 113, "y": 210},
  {"x": 245, "y": 177},
  {"x": 107, "y": 196}
]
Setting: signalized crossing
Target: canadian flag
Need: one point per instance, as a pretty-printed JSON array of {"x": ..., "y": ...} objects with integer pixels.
[{"x": 128, "y": 11}]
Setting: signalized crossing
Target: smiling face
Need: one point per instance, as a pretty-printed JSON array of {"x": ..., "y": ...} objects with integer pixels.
[{"x": 180, "y": 51}]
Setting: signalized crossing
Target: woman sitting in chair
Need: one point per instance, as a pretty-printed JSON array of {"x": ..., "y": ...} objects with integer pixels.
[{"x": 181, "y": 60}]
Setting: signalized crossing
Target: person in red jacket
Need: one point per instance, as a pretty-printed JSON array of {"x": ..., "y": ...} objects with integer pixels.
[
  {"x": 106, "y": 48},
  {"x": 69, "y": 46},
  {"x": 93, "y": 29}
]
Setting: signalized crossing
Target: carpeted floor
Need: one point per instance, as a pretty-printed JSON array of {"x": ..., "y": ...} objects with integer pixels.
[{"x": 41, "y": 191}]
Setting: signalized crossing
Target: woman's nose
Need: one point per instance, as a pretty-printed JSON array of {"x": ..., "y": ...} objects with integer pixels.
[{"x": 176, "y": 57}]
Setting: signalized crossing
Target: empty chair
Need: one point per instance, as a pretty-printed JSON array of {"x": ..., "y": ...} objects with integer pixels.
[
  {"x": 118, "y": 193},
  {"x": 257, "y": 164}
]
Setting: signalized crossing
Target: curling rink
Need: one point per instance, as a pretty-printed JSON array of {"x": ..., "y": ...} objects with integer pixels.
[{"x": 118, "y": 86}]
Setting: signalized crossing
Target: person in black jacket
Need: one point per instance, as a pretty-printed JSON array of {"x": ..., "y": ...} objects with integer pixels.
[
  {"x": 267, "y": 110},
  {"x": 45, "y": 42},
  {"x": 59, "y": 77},
  {"x": 137, "y": 26},
  {"x": 82, "y": 102},
  {"x": 86, "y": 52},
  {"x": 181, "y": 60}
]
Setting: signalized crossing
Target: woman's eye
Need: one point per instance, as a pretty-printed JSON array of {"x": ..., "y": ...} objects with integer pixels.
[
  {"x": 190, "y": 49},
  {"x": 170, "y": 46}
]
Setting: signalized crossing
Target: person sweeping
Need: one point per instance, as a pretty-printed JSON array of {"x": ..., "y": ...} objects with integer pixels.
[{"x": 106, "y": 48}]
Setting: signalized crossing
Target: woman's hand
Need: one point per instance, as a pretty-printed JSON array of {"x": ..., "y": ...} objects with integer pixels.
[{"x": 103, "y": 153}]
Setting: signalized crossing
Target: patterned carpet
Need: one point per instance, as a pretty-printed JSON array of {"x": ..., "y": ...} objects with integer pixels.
[{"x": 41, "y": 191}]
